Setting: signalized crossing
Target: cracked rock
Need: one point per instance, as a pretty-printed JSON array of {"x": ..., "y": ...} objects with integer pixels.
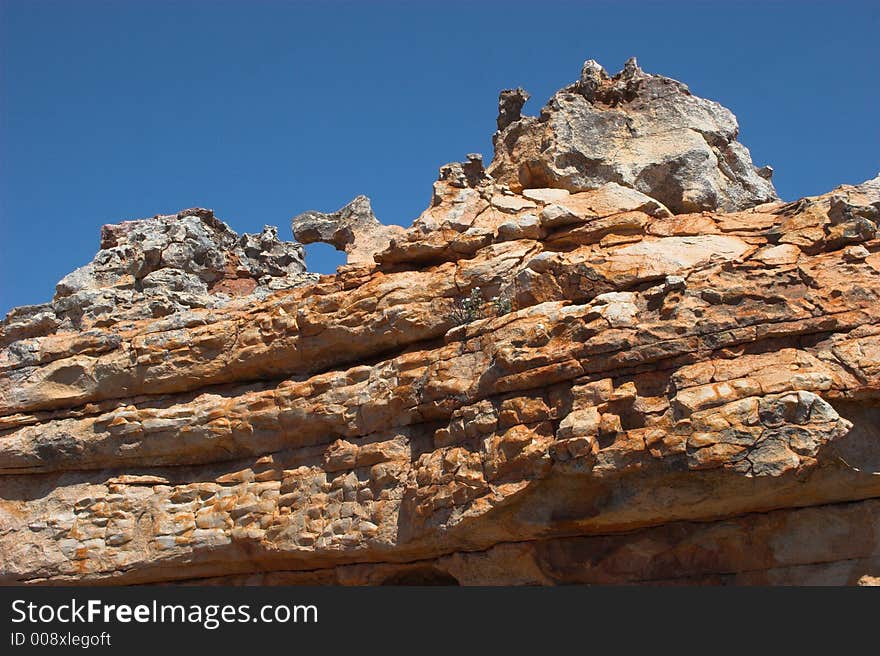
[
  {"x": 643, "y": 131},
  {"x": 156, "y": 267}
]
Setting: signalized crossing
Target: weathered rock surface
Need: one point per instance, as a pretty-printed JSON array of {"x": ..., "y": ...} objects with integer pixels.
[
  {"x": 353, "y": 229},
  {"x": 537, "y": 386},
  {"x": 643, "y": 131},
  {"x": 157, "y": 267}
]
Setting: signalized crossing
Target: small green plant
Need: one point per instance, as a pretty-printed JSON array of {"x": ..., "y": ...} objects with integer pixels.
[
  {"x": 502, "y": 304},
  {"x": 468, "y": 308}
]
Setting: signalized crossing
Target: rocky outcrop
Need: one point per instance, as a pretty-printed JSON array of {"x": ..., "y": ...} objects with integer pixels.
[
  {"x": 353, "y": 229},
  {"x": 510, "y": 104},
  {"x": 162, "y": 266},
  {"x": 643, "y": 131},
  {"x": 529, "y": 386}
]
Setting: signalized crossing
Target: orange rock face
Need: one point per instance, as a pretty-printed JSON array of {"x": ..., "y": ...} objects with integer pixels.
[{"x": 538, "y": 387}]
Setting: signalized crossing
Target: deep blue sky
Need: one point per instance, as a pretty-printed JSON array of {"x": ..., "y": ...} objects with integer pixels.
[{"x": 261, "y": 110}]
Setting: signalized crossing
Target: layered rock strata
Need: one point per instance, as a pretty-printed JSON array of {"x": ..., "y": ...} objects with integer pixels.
[{"x": 530, "y": 385}]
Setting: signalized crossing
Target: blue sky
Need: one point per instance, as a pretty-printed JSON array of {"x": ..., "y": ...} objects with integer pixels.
[{"x": 261, "y": 110}]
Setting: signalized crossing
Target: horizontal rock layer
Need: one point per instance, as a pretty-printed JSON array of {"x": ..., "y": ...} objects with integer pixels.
[{"x": 530, "y": 387}]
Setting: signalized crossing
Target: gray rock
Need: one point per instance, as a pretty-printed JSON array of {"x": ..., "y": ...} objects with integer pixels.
[
  {"x": 510, "y": 104},
  {"x": 463, "y": 175},
  {"x": 556, "y": 216},
  {"x": 161, "y": 266},
  {"x": 643, "y": 131},
  {"x": 353, "y": 229},
  {"x": 28, "y": 321},
  {"x": 527, "y": 226}
]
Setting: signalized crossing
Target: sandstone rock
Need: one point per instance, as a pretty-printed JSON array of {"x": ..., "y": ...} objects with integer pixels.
[
  {"x": 353, "y": 229},
  {"x": 639, "y": 130},
  {"x": 545, "y": 195},
  {"x": 527, "y": 226},
  {"x": 634, "y": 396}
]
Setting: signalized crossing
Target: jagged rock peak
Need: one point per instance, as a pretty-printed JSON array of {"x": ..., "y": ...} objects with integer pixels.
[
  {"x": 643, "y": 131},
  {"x": 155, "y": 267},
  {"x": 353, "y": 229},
  {"x": 461, "y": 175},
  {"x": 510, "y": 104}
]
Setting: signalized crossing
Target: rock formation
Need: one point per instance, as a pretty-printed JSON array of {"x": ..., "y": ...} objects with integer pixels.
[
  {"x": 566, "y": 371},
  {"x": 643, "y": 131},
  {"x": 163, "y": 266},
  {"x": 353, "y": 229}
]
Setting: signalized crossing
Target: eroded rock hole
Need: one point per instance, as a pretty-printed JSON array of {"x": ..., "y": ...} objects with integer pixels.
[{"x": 323, "y": 258}]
